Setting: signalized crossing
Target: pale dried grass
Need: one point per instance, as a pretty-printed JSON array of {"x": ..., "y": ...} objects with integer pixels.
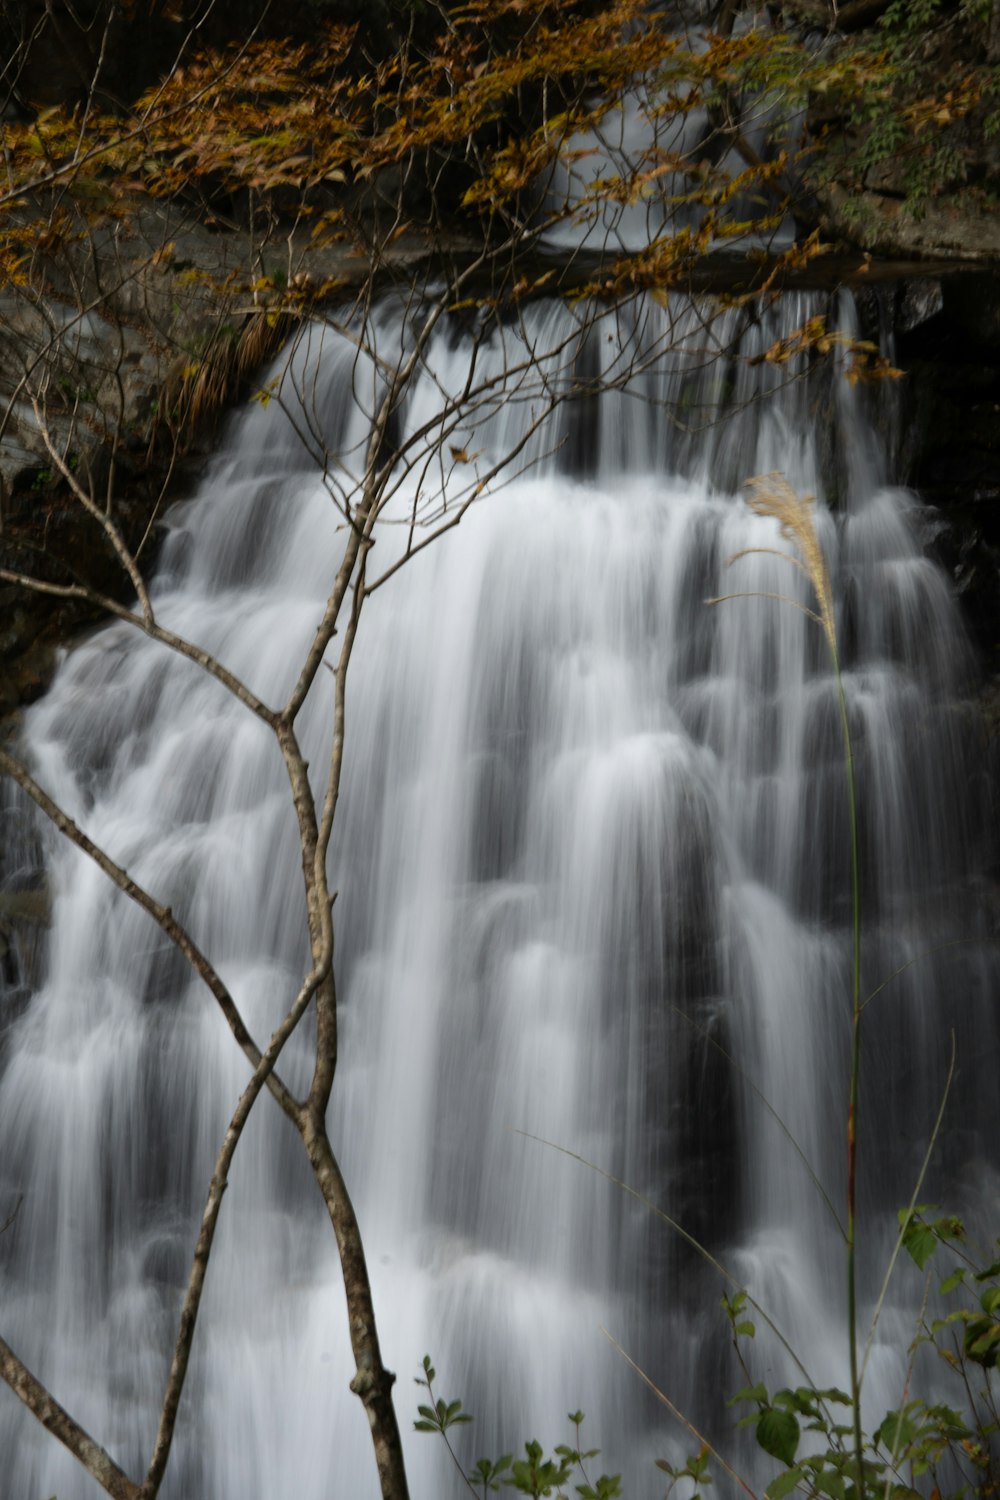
[{"x": 773, "y": 496}]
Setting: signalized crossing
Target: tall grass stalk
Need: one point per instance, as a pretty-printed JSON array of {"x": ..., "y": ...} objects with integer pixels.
[
  {"x": 771, "y": 495},
  {"x": 916, "y": 1433}
]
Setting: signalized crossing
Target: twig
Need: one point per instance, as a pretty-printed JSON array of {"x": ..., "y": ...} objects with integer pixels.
[
  {"x": 56, "y": 1419},
  {"x": 161, "y": 915},
  {"x": 660, "y": 1396}
]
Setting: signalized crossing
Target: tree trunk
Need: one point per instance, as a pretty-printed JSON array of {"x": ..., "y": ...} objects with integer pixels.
[{"x": 372, "y": 1382}]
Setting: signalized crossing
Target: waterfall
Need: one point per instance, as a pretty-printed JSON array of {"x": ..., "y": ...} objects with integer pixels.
[{"x": 592, "y": 864}]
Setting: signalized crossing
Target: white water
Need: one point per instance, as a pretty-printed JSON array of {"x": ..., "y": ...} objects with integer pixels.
[{"x": 592, "y": 864}]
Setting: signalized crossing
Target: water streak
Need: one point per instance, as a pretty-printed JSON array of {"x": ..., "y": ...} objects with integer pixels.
[{"x": 592, "y": 863}]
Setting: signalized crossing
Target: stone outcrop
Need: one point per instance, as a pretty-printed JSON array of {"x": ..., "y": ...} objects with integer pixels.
[
  {"x": 114, "y": 368},
  {"x": 118, "y": 384},
  {"x": 959, "y": 228},
  {"x": 952, "y": 440},
  {"x": 83, "y": 369}
]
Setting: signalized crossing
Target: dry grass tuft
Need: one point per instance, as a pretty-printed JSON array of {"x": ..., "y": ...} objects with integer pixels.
[
  {"x": 772, "y": 495},
  {"x": 197, "y": 395}
]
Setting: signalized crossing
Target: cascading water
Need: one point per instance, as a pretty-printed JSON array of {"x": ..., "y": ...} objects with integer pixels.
[{"x": 592, "y": 859}]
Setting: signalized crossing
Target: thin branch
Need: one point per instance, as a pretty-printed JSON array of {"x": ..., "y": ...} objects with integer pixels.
[
  {"x": 161, "y": 915},
  {"x": 688, "y": 1239},
  {"x": 917, "y": 1186},
  {"x": 766, "y": 594},
  {"x": 12, "y": 1215},
  {"x": 196, "y": 654},
  {"x": 206, "y": 1236},
  {"x": 789, "y": 1135},
  {"x": 680, "y": 1416},
  {"x": 372, "y": 1382},
  {"x": 68, "y": 169},
  {"x": 56, "y": 1419},
  {"x": 919, "y": 958},
  {"x": 103, "y": 520}
]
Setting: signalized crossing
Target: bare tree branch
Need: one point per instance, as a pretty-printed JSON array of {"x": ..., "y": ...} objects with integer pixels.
[
  {"x": 102, "y": 517},
  {"x": 161, "y": 915},
  {"x": 206, "y": 1235},
  {"x": 11, "y": 1216},
  {"x": 56, "y": 1419},
  {"x": 65, "y": 171},
  {"x": 107, "y": 605},
  {"x": 372, "y": 1381}
]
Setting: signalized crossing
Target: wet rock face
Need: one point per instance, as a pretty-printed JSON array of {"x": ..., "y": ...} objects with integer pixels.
[
  {"x": 951, "y": 440},
  {"x": 26, "y": 663},
  {"x": 93, "y": 359},
  {"x": 24, "y": 900},
  {"x": 107, "y": 380},
  {"x": 116, "y": 362},
  {"x": 880, "y": 223}
]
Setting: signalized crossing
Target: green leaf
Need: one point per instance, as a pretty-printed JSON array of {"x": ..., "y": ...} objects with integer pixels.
[
  {"x": 697, "y": 1467},
  {"x": 784, "y": 1484},
  {"x": 452, "y": 1414},
  {"x": 778, "y": 1434},
  {"x": 896, "y": 1432},
  {"x": 801, "y": 1401},
  {"x": 955, "y": 1279},
  {"x": 608, "y": 1488},
  {"x": 756, "y": 1392},
  {"x": 834, "y": 1394},
  {"x": 919, "y": 1241},
  {"x": 734, "y": 1305},
  {"x": 981, "y": 1341},
  {"x": 990, "y": 1300},
  {"x": 487, "y": 1473}
]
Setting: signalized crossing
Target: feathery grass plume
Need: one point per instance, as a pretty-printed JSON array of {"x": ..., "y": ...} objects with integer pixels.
[{"x": 772, "y": 495}]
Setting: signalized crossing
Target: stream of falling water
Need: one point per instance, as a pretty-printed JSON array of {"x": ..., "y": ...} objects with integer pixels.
[{"x": 592, "y": 871}]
